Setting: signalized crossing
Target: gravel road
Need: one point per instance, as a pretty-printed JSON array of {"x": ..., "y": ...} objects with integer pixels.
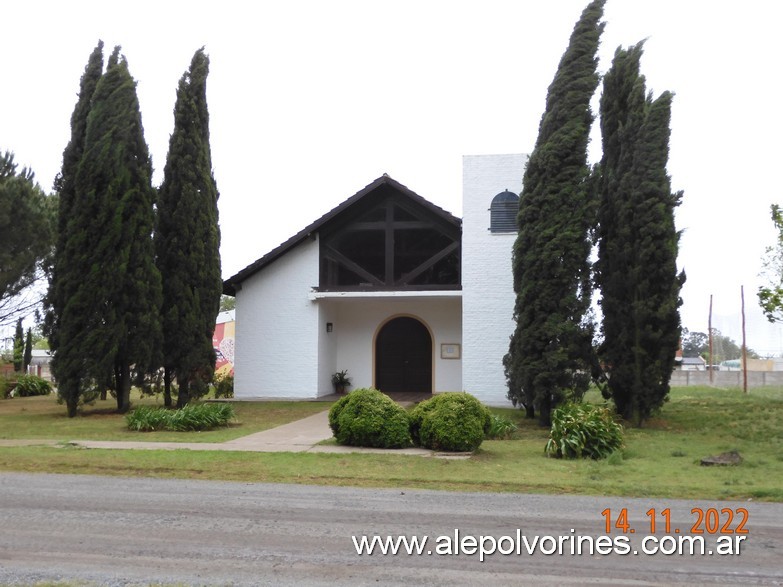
[{"x": 129, "y": 531}]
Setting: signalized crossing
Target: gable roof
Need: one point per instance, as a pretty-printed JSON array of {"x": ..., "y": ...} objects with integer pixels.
[
  {"x": 229, "y": 285},
  {"x": 693, "y": 361}
]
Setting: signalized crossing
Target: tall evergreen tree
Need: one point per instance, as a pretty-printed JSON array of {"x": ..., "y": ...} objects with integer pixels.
[
  {"x": 68, "y": 263},
  {"x": 18, "y": 346},
  {"x": 188, "y": 239},
  {"x": 28, "y": 350},
  {"x": 550, "y": 350},
  {"x": 110, "y": 322},
  {"x": 638, "y": 243},
  {"x": 25, "y": 237}
]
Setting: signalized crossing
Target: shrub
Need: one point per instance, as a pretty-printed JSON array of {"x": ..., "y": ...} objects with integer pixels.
[
  {"x": 335, "y": 411},
  {"x": 224, "y": 386},
  {"x": 200, "y": 417},
  {"x": 583, "y": 430},
  {"x": 190, "y": 418},
  {"x": 5, "y": 387},
  {"x": 147, "y": 419},
  {"x": 500, "y": 427},
  {"x": 367, "y": 417},
  {"x": 455, "y": 422},
  {"x": 29, "y": 385}
]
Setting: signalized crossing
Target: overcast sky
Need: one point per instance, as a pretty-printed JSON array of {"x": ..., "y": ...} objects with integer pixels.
[{"x": 311, "y": 100}]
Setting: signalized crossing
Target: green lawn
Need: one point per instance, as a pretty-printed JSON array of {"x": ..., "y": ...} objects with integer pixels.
[
  {"x": 660, "y": 460},
  {"x": 42, "y": 418}
]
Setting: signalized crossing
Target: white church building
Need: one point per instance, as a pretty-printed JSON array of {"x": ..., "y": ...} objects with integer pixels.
[{"x": 400, "y": 293}]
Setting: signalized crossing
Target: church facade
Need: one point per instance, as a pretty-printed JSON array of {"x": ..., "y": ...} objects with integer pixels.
[{"x": 389, "y": 287}]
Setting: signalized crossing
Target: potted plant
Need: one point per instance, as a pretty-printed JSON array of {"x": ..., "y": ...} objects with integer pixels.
[{"x": 340, "y": 380}]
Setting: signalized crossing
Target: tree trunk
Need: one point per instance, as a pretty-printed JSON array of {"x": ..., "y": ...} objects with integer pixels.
[
  {"x": 183, "y": 398},
  {"x": 118, "y": 386},
  {"x": 167, "y": 387},
  {"x": 123, "y": 389},
  {"x": 71, "y": 400},
  {"x": 545, "y": 410}
]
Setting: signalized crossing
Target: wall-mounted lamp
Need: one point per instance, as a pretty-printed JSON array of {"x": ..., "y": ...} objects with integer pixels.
[{"x": 329, "y": 327}]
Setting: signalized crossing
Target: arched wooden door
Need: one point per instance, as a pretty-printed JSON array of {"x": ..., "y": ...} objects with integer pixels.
[{"x": 403, "y": 357}]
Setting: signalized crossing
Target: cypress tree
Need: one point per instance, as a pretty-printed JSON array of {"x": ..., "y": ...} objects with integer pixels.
[
  {"x": 188, "y": 239},
  {"x": 551, "y": 347},
  {"x": 25, "y": 236},
  {"x": 68, "y": 264},
  {"x": 110, "y": 322},
  {"x": 28, "y": 350},
  {"x": 638, "y": 242}
]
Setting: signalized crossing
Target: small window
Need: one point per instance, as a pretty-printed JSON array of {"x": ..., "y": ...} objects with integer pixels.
[{"x": 503, "y": 212}]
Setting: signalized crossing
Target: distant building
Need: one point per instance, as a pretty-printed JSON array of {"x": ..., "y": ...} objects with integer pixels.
[
  {"x": 41, "y": 364},
  {"x": 692, "y": 364}
]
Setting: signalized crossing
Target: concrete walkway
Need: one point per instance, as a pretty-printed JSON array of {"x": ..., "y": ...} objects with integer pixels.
[{"x": 299, "y": 436}]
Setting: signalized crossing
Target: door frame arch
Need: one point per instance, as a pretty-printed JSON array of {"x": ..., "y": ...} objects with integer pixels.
[{"x": 380, "y": 327}]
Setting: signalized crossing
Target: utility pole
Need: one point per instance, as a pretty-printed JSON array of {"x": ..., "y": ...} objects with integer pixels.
[
  {"x": 744, "y": 345},
  {"x": 709, "y": 331}
]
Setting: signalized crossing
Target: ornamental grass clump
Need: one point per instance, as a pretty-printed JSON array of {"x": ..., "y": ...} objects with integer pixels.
[
  {"x": 30, "y": 385},
  {"x": 201, "y": 417},
  {"x": 191, "y": 418},
  {"x": 453, "y": 422},
  {"x": 500, "y": 428},
  {"x": 367, "y": 417},
  {"x": 147, "y": 419},
  {"x": 582, "y": 431}
]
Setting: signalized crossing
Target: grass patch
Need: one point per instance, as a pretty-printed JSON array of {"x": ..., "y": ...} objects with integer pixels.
[
  {"x": 43, "y": 418},
  {"x": 660, "y": 460}
]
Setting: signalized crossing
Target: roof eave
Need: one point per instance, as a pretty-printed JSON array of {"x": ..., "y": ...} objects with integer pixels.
[{"x": 230, "y": 285}]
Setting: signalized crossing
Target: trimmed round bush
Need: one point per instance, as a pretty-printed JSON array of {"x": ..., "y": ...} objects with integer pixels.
[
  {"x": 453, "y": 422},
  {"x": 367, "y": 417}
]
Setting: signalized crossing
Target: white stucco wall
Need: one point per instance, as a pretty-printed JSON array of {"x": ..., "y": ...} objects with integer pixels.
[
  {"x": 282, "y": 346},
  {"x": 356, "y": 322},
  {"x": 327, "y": 348},
  {"x": 277, "y": 347},
  {"x": 487, "y": 282}
]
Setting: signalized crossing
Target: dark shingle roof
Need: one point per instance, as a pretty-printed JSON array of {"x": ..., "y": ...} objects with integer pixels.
[{"x": 229, "y": 285}]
